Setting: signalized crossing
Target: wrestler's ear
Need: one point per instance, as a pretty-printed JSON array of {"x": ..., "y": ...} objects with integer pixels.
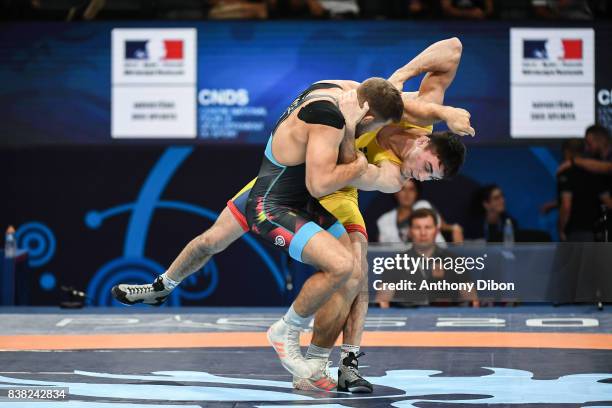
[{"x": 367, "y": 119}]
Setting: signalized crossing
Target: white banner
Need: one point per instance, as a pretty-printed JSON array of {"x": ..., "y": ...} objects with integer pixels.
[
  {"x": 154, "y": 112},
  {"x": 154, "y": 83},
  {"x": 551, "y": 112},
  {"x": 552, "y": 80}
]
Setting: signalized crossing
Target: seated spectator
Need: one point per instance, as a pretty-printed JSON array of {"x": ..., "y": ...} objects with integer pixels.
[
  {"x": 562, "y": 9},
  {"x": 341, "y": 8},
  {"x": 301, "y": 9},
  {"x": 468, "y": 9},
  {"x": 581, "y": 194},
  {"x": 493, "y": 207},
  {"x": 422, "y": 8},
  {"x": 393, "y": 225},
  {"x": 181, "y": 9},
  {"x": 513, "y": 9},
  {"x": 416, "y": 7},
  {"x": 238, "y": 9},
  {"x": 85, "y": 11},
  {"x": 602, "y": 9},
  {"x": 424, "y": 228},
  {"x": 31, "y": 10}
]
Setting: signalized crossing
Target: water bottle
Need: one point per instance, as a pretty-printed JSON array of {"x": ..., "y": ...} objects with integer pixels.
[
  {"x": 10, "y": 244},
  {"x": 508, "y": 233}
]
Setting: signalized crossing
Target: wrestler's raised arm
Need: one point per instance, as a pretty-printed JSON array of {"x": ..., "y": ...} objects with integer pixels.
[
  {"x": 423, "y": 113},
  {"x": 439, "y": 60}
]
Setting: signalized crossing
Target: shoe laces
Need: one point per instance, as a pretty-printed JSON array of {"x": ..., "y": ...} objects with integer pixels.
[
  {"x": 293, "y": 342},
  {"x": 139, "y": 289},
  {"x": 156, "y": 286},
  {"x": 352, "y": 365},
  {"x": 326, "y": 371}
]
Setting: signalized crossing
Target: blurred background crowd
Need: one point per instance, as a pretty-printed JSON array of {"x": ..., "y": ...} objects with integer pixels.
[{"x": 305, "y": 9}]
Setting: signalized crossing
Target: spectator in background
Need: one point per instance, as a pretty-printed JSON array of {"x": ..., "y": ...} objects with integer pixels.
[
  {"x": 598, "y": 144},
  {"x": 468, "y": 9},
  {"x": 598, "y": 147},
  {"x": 513, "y": 9},
  {"x": 423, "y": 8},
  {"x": 397, "y": 9},
  {"x": 424, "y": 228},
  {"x": 302, "y": 9},
  {"x": 393, "y": 226},
  {"x": 86, "y": 10},
  {"x": 562, "y": 9},
  {"x": 493, "y": 205},
  {"x": 601, "y": 8},
  {"x": 341, "y": 8},
  {"x": 580, "y": 197},
  {"x": 31, "y": 10},
  {"x": 419, "y": 8},
  {"x": 238, "y": 9}
]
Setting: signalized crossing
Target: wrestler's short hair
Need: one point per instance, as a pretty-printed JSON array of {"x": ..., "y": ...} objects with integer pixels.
[
  {"x": 450, "y": 150},
  {"x": 384, "y": 100}
]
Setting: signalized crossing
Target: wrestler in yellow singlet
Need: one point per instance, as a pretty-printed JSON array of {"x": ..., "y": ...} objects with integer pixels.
[{"x": 343, "y": 204}]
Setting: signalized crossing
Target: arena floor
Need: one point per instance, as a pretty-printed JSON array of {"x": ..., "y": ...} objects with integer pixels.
[{"x": 527, "y": 356}]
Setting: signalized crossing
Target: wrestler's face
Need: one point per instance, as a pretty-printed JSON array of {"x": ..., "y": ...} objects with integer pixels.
[
  {"x": 423, "y": 231},
  {"x": 422, "y": 163}
]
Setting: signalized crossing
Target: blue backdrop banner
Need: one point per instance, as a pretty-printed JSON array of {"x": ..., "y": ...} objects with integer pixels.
[{"x": 228, "y": 82}]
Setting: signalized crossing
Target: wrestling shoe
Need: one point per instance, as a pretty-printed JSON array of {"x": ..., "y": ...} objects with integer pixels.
[
  {"x": 285, "y": 338},
  {"x": 151, "y": 294},
  {"x": 348, "y": 375},
  {"x": 321, "y": 380}
]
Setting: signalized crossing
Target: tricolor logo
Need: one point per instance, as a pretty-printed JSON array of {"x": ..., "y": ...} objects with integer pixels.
[
  {"x": 154, "y": 50},
  {"x": 569, "y": 49}
]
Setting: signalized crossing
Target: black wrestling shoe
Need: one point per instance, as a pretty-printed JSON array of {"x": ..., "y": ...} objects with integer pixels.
[
  {"x": 349, "y": 378},
  {"x": 153, "y": 294}
]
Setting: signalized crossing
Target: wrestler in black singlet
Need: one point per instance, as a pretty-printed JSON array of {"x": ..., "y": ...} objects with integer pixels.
[{"x": 279, "y": 208}]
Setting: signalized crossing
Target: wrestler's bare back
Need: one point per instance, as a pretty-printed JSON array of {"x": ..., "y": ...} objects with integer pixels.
[{"x": 291, "y": 137}]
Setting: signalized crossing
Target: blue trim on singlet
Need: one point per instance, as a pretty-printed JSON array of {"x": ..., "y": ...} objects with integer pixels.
[
  {"x": 269, "y": 154},
  {"x": 301, "y": 238},
  {"x": 337, "y": 230}
]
